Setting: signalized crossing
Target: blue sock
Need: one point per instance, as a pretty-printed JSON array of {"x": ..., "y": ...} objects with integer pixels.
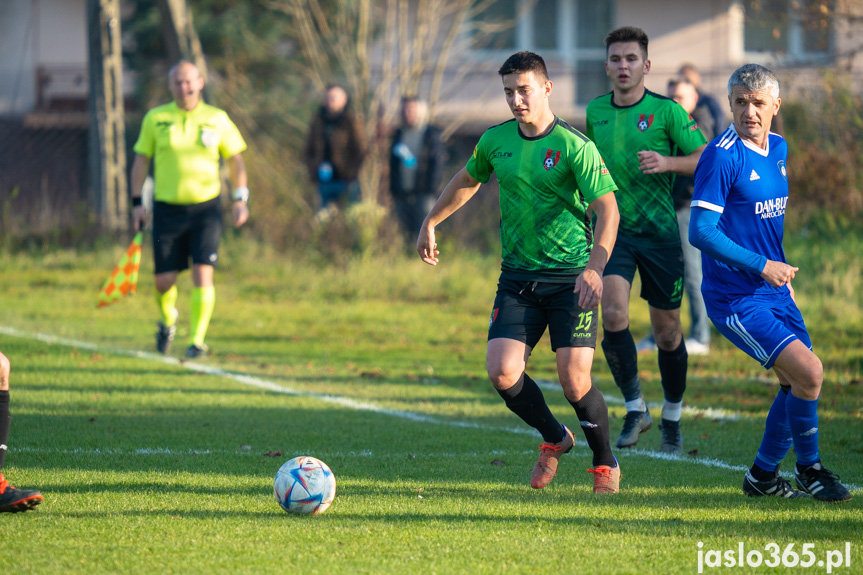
[
  {"x": 803, "y": 421},
  {"x": 777, "y": 434}
]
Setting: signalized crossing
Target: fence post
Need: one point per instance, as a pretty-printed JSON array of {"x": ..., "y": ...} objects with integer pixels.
[{"x": 107, "y": 139}]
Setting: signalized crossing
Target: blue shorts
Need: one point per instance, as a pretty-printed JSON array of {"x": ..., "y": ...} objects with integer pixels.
[{"x": 763, "y": 327}]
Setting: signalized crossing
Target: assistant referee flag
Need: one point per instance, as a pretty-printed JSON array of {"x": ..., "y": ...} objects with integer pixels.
[{"x": 124, "y": 279}]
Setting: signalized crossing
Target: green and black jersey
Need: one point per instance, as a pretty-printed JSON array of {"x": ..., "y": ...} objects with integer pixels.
[
  {"x": 655, "y": 123},
  {"x": 546, "y": 184}
]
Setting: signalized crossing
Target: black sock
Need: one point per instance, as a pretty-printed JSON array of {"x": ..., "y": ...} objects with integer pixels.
[
  {"x": 619, "y": 349},
  {"x": 592, "y": 414},
  {"x": 762, "y": 474},
  {"x": 672, "y": 369},
  {"x": 802, "y": 468},
  {"x": 525, "y": 399},
  {"x": 5, "y": 418}
]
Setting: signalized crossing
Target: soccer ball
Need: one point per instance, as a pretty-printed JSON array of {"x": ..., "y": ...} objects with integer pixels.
[{"x": 305, "y": 485}]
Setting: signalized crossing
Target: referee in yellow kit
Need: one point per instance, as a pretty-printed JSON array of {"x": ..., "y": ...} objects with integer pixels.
[{"x": 185, "y": 139}]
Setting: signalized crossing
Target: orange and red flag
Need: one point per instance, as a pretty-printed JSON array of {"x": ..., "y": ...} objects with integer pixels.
[{"x": 124, "y": 278}]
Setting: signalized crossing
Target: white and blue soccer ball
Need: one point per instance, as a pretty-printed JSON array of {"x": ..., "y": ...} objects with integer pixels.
[{"x": 305, "y": 485}]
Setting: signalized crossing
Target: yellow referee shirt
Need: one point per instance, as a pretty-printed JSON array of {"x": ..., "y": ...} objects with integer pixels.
[{"x": 185, "y": 147}]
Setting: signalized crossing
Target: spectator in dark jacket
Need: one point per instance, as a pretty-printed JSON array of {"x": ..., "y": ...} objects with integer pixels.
[
  {"x": 336, "y": 146},
  {"x": 717, "y": 111},
  {"x": 416, "y": 165}
]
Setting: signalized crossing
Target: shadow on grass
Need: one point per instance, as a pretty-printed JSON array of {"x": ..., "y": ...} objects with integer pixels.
[{"x": 704, "y": 514}]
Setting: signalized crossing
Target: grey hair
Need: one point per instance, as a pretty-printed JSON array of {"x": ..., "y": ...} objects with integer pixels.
[{"x": 754, "y": 77}]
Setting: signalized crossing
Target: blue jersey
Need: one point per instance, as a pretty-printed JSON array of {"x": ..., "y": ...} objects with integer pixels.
[{"x": 748, "y": 186}]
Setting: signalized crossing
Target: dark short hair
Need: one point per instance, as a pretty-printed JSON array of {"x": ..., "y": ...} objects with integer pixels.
[
  {"x": 525, "y": 61},
  {"x": 627, "y": 34}
]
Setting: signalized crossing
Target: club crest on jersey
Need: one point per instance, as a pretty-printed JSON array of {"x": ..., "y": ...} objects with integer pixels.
[
  {"x": 781, "y": 165},
  {"x": 644, "y": 122},
  {"x": 551, "y": 159}
]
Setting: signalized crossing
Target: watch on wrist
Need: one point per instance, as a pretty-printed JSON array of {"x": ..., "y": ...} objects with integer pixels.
[{"x": 241, "y": 195}]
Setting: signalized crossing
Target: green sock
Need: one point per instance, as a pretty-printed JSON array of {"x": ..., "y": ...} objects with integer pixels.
[
  {"x": 202, "y": 303},
  {"x": 167, "y": 303}
]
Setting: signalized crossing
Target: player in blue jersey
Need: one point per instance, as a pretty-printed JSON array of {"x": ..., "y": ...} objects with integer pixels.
[{"x": 738, "y": 211}]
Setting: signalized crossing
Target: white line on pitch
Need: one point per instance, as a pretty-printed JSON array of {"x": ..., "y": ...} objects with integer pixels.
[
  {"x": 260, "y": 383},
  {"x": 709, "y": 412}
]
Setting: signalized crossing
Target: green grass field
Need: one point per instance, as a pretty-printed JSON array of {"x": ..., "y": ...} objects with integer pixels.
[{"x": 377, "y": 367}]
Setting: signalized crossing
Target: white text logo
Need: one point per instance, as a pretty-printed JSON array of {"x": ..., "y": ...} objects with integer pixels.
[{"x": 771, "y": 208}]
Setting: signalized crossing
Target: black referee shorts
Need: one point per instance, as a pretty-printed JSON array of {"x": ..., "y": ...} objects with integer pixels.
[{"x": 184, "y": 232}]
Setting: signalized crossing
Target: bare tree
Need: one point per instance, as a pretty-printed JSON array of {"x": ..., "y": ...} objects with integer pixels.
[{"x": 380, "y": 50}]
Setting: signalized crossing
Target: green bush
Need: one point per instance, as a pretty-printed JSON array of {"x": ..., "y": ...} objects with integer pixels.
[{"x": 824, "y": 134}]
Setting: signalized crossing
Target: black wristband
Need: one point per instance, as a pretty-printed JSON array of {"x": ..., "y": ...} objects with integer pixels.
[{"x": 137, "y": 201}]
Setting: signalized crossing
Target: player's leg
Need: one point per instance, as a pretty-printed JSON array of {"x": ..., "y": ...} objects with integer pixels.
[
  {"x": 205, "y": 235},
  {"x": 573, "y": 368},
  {"x": 170, "y": 255},
  {"x": 764, "y": 331},
  {"x": 622, "y": 357},
  {"x": 756, "y": 331},
  {"x": 618, "y": 344},
  {"x": 12, "y": 500},
  {"x": 661, "y": 271},
  {"x": 166, "y": 300},
  {"x": 5, "y": 415},
  {"x": 673, "y": 362},
  {"x": 506, "y": 361},
  {"x": 699, "y": 341},
  {"x": 572, "y": 330},
  {"x": 201, "y": 305},
  {"x": 516, "y": 325},
  {"x": 800, "y": 369}
]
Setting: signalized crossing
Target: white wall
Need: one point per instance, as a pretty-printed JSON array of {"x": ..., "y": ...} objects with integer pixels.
[
  {"x": 17, "y": 80},
  {"x": 33, "y": 33},
  {"x": 698, "y": 32}
]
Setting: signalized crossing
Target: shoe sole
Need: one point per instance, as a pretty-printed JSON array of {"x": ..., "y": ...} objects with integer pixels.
[{"x": 25, "y": 504}]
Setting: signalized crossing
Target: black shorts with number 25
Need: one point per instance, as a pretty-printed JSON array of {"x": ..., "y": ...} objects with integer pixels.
[
  {"x": 523, "y": 309},
  {"x": 184, "y": 232}
]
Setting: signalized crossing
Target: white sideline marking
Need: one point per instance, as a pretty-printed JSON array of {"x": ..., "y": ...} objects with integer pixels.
[
  {"x": 254, "y": 381},
  {"x": 708, "y": 412}
]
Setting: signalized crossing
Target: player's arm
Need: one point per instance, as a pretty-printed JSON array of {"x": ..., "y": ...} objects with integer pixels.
[
  {"x": 704, "y": 234},
  {"x": 588, "y": 286},
  {"x": 140, "y": 169},
  {"x": 457, "y": 192},
  {"x": 240, "y": 181},
  {"x": 656, "y": 163}
]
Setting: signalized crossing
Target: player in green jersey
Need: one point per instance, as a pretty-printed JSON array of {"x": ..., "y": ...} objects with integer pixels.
[
  {"x": 639, "y": 134},
  {"x": 550, "y": 175}
]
